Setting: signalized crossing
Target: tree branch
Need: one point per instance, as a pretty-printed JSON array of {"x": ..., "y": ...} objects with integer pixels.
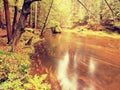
[
  {"x": 110, "y": 9},
  {"x": 46, "y": 19},
  {"x": 83, "y": 5},
  {"x": 30, "y": 1}
]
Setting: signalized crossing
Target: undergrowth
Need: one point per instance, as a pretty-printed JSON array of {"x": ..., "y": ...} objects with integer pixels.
[{"x": 15, "y": 73}]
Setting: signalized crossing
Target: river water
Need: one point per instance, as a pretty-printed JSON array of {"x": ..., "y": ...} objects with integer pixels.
[{"x": 73, "y": 62}]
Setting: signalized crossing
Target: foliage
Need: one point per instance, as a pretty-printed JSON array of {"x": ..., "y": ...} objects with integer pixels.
[
  {"x": 58, "y": 9},
  {"x": 64, "y": 13},
  {"x": 37, "y": 83},
  {"x": 26, "y": 82},
  {"x": 18, "y": 77},
  {"x": 3, "y": 52},
  {"x": 1, "y": 3},
  {"x": 86, "y": 32}
]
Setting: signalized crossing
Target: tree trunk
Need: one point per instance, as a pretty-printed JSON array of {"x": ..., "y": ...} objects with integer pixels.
[
  {"x": 8, "y": 23},
  {"x": 22, "y": 21},
  {"x": 14, "y": 20},
  {"x": 36, "y": 15},
  {"x": 1, "y": 21},
  {"x": 30, "y": 17},
  {"x": 29, "y": 21},
  {"x": 44, "y": 26}
]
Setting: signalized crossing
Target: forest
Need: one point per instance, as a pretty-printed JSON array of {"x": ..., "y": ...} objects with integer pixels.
[{"x": 37, "y": 37}]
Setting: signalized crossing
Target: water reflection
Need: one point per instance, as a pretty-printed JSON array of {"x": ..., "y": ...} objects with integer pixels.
[
  {"x": 92, "y": 66},
  {"x": 72, "y": 64},
  {"x": 91, "y": 87},
  {"x": 63, "y": 75}
]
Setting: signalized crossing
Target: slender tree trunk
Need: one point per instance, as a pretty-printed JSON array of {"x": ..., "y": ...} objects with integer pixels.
[
  {"x": 29, "y": 22},
  {"x": 8, "y": 23},
  {"x": 30, "y": 17},
  {"x": 22, "y": 21},
  {"x": 1, "y": 21},
  {"x": 36, "y": 15},
  {"x": 44, "y": 26},
  {"x": 14, "y": 20},
  {"x": 38, "y": 21}
]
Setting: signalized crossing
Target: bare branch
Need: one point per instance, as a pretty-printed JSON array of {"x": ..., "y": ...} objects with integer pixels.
[
  {"x": 30, "y": 1},
  {"x": 44, "y": 26},
  {"x": 110, "y": 9},
  {"x": 83, "y": 5}
]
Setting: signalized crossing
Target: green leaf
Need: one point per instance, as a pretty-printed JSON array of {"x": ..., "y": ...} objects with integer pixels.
[
  {"x": 3, "y": 52},
  {"x": 43, "y": 77},
  {"x": 27, "y": 86}
]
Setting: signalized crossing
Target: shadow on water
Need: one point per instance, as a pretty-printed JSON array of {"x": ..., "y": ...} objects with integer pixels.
[{"x": 73, "y": 65}]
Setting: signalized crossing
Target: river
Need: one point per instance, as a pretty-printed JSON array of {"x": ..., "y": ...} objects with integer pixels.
[{"x": 75, "y": 62}]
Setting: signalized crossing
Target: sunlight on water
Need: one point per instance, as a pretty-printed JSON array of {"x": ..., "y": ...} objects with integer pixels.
[
  {"x": 75, "y": 60},
  {"x": 91, "y": 87},
  {"x": 92, "y": 66},
  {"x": 65, "y": 82}
]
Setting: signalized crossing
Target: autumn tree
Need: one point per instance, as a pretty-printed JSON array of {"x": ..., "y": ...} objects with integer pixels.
[
  {"x": 36, "y": 13},
  {"x": 15, "y": 17},
  {"x": 8, "y": 23},
  {"x": 1, "y": 20},
  {"x": 22, "y": 21},
  {"x": 1, "y": 15}
]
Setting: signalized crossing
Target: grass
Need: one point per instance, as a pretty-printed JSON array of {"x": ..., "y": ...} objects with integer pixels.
[
  {"x": 85, "y": 32},
  {"x": 100, "y": 34}
]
